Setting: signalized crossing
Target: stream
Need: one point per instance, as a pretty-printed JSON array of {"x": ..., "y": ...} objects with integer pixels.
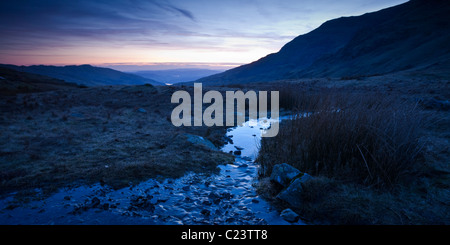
[{"x": 227, "y": 198}]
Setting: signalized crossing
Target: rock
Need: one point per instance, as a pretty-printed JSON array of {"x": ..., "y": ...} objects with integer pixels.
[
  {"x": 178, "y": 212},
  {"x": 226, "y": 195},
  {"x": 160, "y": 211},
  {"x": 228, "y": 139},
  {"x": 292, "y": 194},
  {"x": 142, "y": 203},
  {"x": 161, "y": 199},
  {"x": 243, "y": 165},
  {"x": 214, "y": 198},
  {"x": 289, "y": 215},
  {"x": 227, "y": 206},
  {"x": 230, "y": 220},
  {"x": 237, "y": 153},
  {"x": 94, "y": 202},
  {"x": 142, "y": 110},
  {"x": 174, "y": 221},
  {"x": 305, "y": 177},
  {"x": 198, "y": 140},
  {"x": 238, "y": 148},
  {"x": 247, "y": 158},
  {"x": 283, "y": 174},
  {"x": 206, "y": 212},
  {"x": 67, "y": 198},
  {"x": 105, "y": 206}
]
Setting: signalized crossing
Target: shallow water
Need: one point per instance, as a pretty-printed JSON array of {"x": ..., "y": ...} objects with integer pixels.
[{"x": 225, "y": 198}]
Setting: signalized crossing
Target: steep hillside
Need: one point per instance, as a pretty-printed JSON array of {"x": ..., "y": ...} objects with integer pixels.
[{"x": 410, "y": 36}]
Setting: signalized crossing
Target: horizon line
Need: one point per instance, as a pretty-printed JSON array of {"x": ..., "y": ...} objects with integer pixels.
[{"x": 147, "y": 65}]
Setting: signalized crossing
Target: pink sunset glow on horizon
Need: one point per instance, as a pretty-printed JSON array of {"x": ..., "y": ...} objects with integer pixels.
[{"x": 218, "y": 34}]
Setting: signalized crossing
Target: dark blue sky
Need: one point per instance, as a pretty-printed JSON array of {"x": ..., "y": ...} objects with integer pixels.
[{"x": 175, "y": 33}]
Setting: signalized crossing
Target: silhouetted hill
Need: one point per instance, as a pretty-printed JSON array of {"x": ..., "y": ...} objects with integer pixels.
[
  {"x": 86, "y": 75},
  {"x": 13, "y": 82},
  {"x": 411, "y": 36}
]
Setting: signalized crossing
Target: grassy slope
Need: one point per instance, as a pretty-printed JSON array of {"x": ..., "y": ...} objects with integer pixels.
[{"x": 14, "y": 82}]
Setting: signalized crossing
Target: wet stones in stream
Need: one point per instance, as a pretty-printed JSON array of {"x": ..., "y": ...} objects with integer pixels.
[
  {"x": 192, "y": 201},
  {"x": 141, "y": 203},
  {"x": 227, "y": 198}
]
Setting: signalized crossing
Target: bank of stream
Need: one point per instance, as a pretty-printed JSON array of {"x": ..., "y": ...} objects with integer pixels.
[{"x": 225, "y": 198}]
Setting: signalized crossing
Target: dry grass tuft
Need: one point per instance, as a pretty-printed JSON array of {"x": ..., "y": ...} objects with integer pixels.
[{"x": 365, "y": 138}]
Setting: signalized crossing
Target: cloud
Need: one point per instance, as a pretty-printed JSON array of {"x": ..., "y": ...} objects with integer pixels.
[
  {"x": 172, "y": 8},
  {"x": 40, "y": 24},
  {"x": 163, "y": 29},
  {"x": 184, "y": 12}
]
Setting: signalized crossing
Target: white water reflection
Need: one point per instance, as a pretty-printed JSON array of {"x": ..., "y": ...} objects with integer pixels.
[{"x": 248, "y": 136}]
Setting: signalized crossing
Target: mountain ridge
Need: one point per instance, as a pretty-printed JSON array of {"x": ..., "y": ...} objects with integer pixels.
[
  {"x": 85, "y": 74},
  {"x": 412, "y": 35}
]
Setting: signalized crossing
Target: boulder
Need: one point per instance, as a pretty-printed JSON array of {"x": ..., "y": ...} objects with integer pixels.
[
  {"x": 283, "y": 174},
  {"x": 199, "y": 140},
  {"x": 292, "y": 194},
  {"x": 304, "y": 177},
  {"x": 289, "y": 215}
]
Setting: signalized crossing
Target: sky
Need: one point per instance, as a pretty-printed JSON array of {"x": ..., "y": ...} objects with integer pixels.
[{"x": 161, "y": 34}]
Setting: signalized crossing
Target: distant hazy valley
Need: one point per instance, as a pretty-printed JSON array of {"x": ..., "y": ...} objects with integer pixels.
[{"x": 172, "y": 76}]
